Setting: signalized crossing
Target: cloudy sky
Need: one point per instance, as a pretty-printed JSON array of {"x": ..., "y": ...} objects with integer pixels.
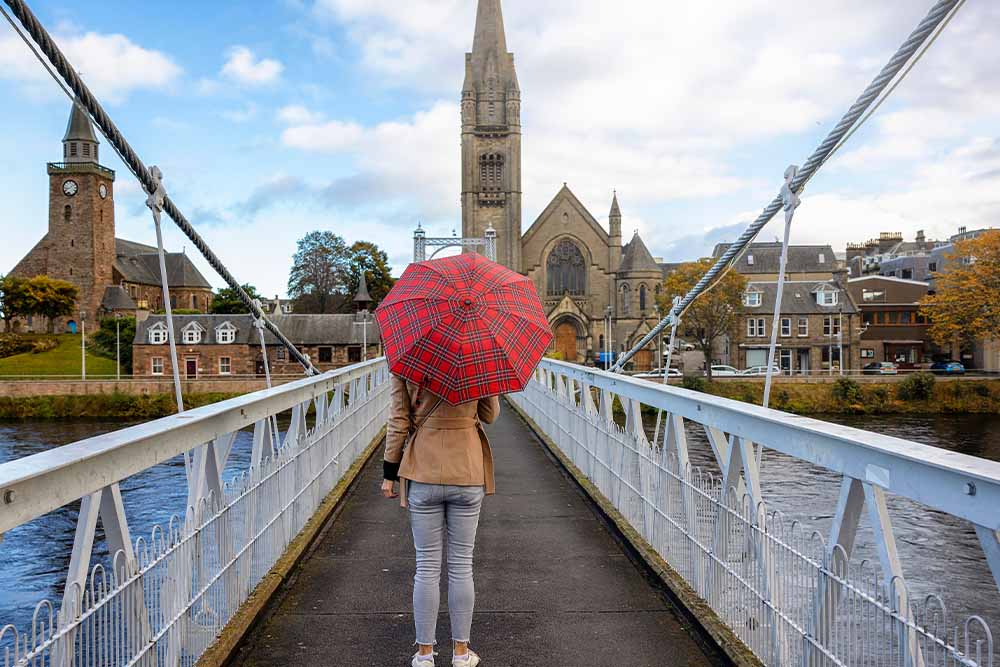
[{"x": 271, "y": 119}]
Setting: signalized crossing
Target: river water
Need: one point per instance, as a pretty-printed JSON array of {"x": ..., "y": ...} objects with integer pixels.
[{"x": 936, "y": 549}]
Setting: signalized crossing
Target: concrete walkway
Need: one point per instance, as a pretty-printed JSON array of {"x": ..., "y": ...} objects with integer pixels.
[{"x": 553, "y": 587}]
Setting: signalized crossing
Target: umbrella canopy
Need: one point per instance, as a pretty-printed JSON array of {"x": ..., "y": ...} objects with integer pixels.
[{"x": 464, "y": 328}]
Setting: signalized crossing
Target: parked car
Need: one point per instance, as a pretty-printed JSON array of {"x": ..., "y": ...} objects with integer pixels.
[
  {"x": 947, "y": 368},
  {"x": 658, "y": 374},
  {"x": 880, "y": 368},
  {"x": 760, "y": 371},
  {"x": 722, "y": 371}
]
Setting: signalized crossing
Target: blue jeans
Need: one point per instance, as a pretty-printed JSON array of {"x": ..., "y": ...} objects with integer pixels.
[{"x": 434, "y": 509}]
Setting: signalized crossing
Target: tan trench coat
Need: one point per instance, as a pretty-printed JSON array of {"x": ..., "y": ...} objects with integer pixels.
[{"x": 450, "y": 447}]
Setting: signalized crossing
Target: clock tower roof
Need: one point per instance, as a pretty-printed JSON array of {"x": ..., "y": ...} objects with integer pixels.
[{"x": 79, "y": 127}]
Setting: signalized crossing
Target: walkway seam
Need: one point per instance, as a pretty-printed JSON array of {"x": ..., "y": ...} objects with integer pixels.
[
  {"x": 706, "y": 618},
  {"x": 239, "y": 626}
]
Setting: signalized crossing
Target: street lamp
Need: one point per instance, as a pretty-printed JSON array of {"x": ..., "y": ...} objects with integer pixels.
[
  {"x": 659, "y": 341},
  {"x": 608, "y": 312},
  {"x": 83, "y": 344},
  {"x": 118, "y": 347}
]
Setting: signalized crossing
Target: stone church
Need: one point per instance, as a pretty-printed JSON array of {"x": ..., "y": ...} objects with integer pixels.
[
  {"x": 112, "y": 274},
  {"x": 583, "y": 272}
]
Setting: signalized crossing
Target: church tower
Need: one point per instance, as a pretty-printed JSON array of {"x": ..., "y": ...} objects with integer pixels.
[
  {"x": 491, "y": 138},
  {"x": 80, "y": 244}
]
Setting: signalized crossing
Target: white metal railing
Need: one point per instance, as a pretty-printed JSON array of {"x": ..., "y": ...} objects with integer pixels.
[
  {"x": 793, "y": 596},
  {"x": 162, "y": 600}
]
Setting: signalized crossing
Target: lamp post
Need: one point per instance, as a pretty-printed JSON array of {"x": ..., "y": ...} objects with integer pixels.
[
  {"x": 607, "y": 338},
  {"x": 118, "y": 347},
  {"x": 659, "y": 342},
  {"x": 83, "y": 344}
]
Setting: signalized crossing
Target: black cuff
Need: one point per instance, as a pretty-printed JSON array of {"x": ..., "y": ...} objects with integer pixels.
[{"x": 390, "y": 471}]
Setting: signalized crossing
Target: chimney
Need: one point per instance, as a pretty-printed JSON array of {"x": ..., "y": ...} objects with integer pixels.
[{"x": 920, "y": 236}]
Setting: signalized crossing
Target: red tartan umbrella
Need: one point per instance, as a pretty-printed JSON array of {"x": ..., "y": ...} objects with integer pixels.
[{"x": 464, "y": 328}]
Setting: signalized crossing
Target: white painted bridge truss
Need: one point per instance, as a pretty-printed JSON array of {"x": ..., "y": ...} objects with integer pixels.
[
  {"x": 164, "y": 598},
  {"x": 793, "y": 596}
]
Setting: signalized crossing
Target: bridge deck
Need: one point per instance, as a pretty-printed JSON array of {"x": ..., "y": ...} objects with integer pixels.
[{"x": 553, "y": 587}]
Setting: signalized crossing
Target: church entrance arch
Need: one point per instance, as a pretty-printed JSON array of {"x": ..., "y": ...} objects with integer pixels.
[
  {"x": 71, "y": 327},
  {"x": 566, "y": 339}
]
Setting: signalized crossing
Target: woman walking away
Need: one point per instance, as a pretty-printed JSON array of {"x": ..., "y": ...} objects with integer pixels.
[
  {"x": 447, "y": 469},
  {"x": 458, "y": 332}
]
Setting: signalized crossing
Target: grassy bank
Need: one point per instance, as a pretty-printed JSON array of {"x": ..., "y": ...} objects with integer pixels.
[
  {"x": 60, "y": 357},
  {"x": 922, "y": 396},
  {"x": 111, "y": 406}
]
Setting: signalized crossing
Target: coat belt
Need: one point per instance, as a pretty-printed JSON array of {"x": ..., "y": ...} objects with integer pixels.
[{"x": 450, "y": 423}]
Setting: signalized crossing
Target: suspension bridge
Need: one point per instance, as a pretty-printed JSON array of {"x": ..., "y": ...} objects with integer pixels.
[{"x": 632, "y": 525}]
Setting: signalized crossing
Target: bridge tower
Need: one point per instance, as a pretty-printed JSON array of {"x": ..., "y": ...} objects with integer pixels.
[{"x": 491, "y": 138}]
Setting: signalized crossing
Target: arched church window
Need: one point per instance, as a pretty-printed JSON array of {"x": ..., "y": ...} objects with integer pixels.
[
  {"x": 491, "y": 172},
  {"x": 67, "y": 212},
  {"x": 642, "y": 298},
  {"x": 626, "y": 299},
  {"x": 566, "y": 270}
]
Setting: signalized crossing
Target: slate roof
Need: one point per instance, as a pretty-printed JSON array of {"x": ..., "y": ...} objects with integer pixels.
[
  {"x": 767, "y": 257},
  {"x": 300, "y": 329},
  {"x": 138, "y": 263},
  {"x": 799, "y": 299},
  {"x": 79, "y": 128},
  {"x": 636, "y": 257},
  {"x": 116, "y": 298}
]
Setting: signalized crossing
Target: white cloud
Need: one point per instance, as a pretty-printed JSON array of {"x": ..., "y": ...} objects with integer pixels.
[
  {"x": 240, "y": 115},
  {"x": 296, "y": 114},
  {"x": 111, "y": 65},
  {"x": 243, "y": 67}
]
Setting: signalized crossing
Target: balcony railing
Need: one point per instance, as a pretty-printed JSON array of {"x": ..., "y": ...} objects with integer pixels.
[{"x": 66, "y": 166}]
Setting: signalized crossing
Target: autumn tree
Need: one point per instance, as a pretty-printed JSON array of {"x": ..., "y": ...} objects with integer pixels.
[
  {"x": 227, "y": 302},
  {"x": 712, "y": 315},
  {"x": 368, "y": 257},
  {"x": 965, "y": 305},
  {"x": 320, "y": 273},
  {"x": 15, "y": 300},
  {"x": 51, "y": 298}
]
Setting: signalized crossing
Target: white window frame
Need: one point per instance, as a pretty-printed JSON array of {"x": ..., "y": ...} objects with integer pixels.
[
  {"x": 786, "y": 327},
  {"x": 752, "y": 298},
  {"x": 192, "y": 334},
  {"x": 225, "y": 334},
  {"x": 803, "y": 327},
  {"x": 157, "y": 334},
  {"x": 153, "y": 364},
  {"x": 228, "y": 366},
  {"x": 827, "y": 297}
]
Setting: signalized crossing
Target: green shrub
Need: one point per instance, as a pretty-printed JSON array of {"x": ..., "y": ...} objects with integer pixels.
[
  {"x": 847, "y": 390},
  {"x": 781, "y": 399},
  {"x": 44, "y": 345},
  {"x": 916, "y": 387},
  {"x": 982, "y": 389},
  {"x": 695, "y": 383},
  {"x": 11, "y": 344}
]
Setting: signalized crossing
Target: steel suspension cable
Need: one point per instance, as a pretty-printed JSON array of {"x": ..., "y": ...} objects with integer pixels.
[
  {"x": 941, "y": 11},
  {"x": 130, "y": 158}
]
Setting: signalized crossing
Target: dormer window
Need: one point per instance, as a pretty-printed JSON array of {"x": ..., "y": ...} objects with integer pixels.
[
  {"x": 157, "y": 334},
  {"x": 822, "y": 258},
  {"x": 191, "y": 334},
  {"x": 750, "y": 260},
  {"x": 827, "y": 296},
  {"x": 752, "y": 297},
  {"x": 225, "y": 333}
]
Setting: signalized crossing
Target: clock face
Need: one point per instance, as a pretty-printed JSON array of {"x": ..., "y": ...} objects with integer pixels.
[
  {"x": 70, "y": 188},
  {"x": 103, "y": 191}
]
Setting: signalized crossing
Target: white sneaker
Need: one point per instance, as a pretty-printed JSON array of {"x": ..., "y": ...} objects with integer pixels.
[
  {"x": 469, "y": 659},
  {"x": 423, "y": 660}
]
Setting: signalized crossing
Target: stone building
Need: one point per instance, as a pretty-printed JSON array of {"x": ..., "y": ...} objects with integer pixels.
[
  {"x": 894, "y": 329},
  {"x": 819, "y": 323},
  {"x": 584, "y": 272},
  {"x": 113, "y": 275},
  {"x": 229, "y": 345}
]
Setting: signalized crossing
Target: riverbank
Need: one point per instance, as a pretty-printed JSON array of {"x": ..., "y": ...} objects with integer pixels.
[
  {"x": 114, "y": 405},
  {"x": 966, "y": 396}
]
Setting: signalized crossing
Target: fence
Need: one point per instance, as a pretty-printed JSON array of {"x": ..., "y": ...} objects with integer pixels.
[
  {"x": 791, "y": 595},
  {"x": 164, "y": 599}
]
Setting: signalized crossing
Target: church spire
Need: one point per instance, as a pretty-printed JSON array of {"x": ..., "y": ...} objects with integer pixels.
[
  {"x": 490, "y": 36},
  {"x": 615, "y": 222}
]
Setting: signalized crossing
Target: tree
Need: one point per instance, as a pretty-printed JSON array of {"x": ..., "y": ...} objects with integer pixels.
[
  {"x": 712, "y": 315},
  {"x": 320, "y": 275},
  {"x": 226, "y": 302},
  {"x": 51, "y": 298},
  {"x": 368, "y": 257},
  {"x": 965, "y": 306},
  {"x": 103, "y": 342},
  {"x": 15, "y": 300}
]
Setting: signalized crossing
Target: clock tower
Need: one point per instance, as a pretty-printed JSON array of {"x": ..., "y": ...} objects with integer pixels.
[{"x": 80, "y": 244}]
